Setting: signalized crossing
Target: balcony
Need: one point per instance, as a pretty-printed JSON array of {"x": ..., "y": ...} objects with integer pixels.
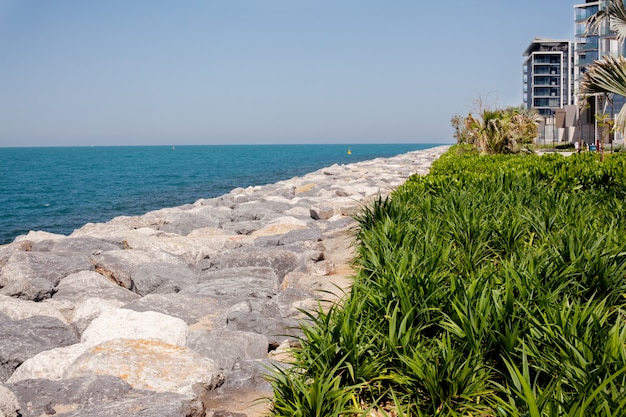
[
  {"x": 545, "y": 92},
  {"x": 547, "y": 69},
  {"x": 584, "y": 14},
  {"x": 587, "y": 45},
  {"x": 546, "y": 102},
  {"x": 586, "y": 61},
  {"x": 546, "y": 81},
  {"x": 547, "y": 59}
]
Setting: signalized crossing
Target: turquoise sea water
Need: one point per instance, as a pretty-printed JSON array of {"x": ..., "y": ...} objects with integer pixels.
[{"x": 60, "y": 189}]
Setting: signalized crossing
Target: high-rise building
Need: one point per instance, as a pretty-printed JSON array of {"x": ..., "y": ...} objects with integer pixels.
[
  {"x": 549, "y": 87},
  {"x": 592, "y": 44},
  {"x": 548, "y": 70}
]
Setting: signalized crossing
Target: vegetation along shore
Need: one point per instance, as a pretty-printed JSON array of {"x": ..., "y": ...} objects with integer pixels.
[{"x": 494, "y": 286}]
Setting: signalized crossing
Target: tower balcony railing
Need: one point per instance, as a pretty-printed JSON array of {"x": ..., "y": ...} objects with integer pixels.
[
  {"x": 545, "y": 71},
  {"x": 586, "y": 13},
  {"x": 587, "y": 45},
  {"x": 586, "y": 61},
  {"x": 553, "y": 60}
]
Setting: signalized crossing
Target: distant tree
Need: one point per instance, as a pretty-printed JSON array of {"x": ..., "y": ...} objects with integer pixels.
[
  {"x": 502, "y": 130},
  {"x": 461, "y": 131}
]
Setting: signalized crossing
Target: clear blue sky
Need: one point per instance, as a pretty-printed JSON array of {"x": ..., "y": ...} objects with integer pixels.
[{"x": 135, "y": 72}]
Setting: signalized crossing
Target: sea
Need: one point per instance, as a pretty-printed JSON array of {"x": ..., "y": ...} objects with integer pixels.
[{"x": 59, "y": 189}]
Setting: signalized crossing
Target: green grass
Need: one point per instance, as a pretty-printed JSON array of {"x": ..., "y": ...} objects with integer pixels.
[{"x": 494, "y": 286}]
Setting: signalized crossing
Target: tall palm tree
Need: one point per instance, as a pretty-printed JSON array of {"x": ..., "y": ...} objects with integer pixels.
[{"x": 608, "y": 75}]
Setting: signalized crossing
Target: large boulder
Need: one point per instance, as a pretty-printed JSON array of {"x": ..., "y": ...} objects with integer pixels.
[
  {"x": 49, "y": 364},
  {"x": 183, "y": 222},
  {"x": 281, "y": 261},
  {"x": 129, "y": 324},
  {"x": 90, "y": 284},
  {"x": 148, "y": 364},
  {"x": 227, "y": 347},
  {"x": 33, "y": 275},
  {"x": 75, "y": 295},
  {"x": 9, "y": 405},
  {"x": 197, "y": 310},
  {"x": 23, "y": 339},
  {"x": 238, "y": 282},
  {"x": 119, "y": 265},
  {"x": 161, "y": 277},
  {"x": 262, "y": 317},
  {"x": 85, "y": 310},
  {"x": 98, "y": 396},
  {"x": 18, "y": 309},
  {"x": 87, "y": 245}
]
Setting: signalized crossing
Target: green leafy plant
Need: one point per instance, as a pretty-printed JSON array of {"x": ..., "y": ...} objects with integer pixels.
[{"x": 494, "y": 286}]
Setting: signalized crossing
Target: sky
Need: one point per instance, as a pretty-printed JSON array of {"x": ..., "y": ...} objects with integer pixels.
[{"x": 153, "y": 72}]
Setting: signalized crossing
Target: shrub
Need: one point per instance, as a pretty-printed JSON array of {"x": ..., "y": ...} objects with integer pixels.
[{"x": 493, "y": 286}]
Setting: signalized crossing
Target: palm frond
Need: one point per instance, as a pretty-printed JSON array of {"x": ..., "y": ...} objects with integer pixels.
[
  {"x": 614, "y": 14},
  {"x": 607, "y": 75}
]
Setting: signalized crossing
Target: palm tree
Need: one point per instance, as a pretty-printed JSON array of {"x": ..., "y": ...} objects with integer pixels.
[
  {"x": 502, "y": 130},
  {"x": 608, "y": 75}
]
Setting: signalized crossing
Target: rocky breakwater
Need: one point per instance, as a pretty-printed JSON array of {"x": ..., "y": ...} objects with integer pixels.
[{"x": 181, "y": 311}]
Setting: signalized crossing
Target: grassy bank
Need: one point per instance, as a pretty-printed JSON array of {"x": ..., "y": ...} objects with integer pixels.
[{"x": 494, "y": 286}]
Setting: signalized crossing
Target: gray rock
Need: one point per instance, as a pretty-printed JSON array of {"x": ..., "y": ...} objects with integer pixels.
[
  {"x": 258, "y": 210},
  {"x": 184, "y": 222},
  {"x": 281, "y": 261},
  {"x": 244, "y": 227},
  {"x": 227, "y": 347},
  {"x": 263, "y": 318},
  {"x": 197, "y": 310},
  {"x": 313, "y": 235},
  {"x": 248, "y": 375},
  {"x": 289, "y": 300},
  {"x": 267, "y": 241},
  {"x": 86, "y": 245},
  {"x": 118, "y": 265},
  {"x": 23, "y": 339},
  {"x": 161, "y": 277},
  {"x": 341, "y": 223},
  {"x": 322, "y": 213},
  {"x": 98, "y": 396},
  {"x": 33, "y": 275},
  {"x": 238, "y": 282},
  {"x": 90, "y": 284}
]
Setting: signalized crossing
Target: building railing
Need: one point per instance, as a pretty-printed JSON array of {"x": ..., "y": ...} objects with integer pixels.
[
  {"x": 587, "y": 45},
  {"x": 554, "y": 60},
  {"x": 586, "y": 13}
]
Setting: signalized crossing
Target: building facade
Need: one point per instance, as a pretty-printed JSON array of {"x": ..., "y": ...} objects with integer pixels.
[
  {"x": 548, "y": 71},
  {"x": 548, "y": 85},
  {"x": 553, "y": 70},
  {"x": 592, "y": 44}
]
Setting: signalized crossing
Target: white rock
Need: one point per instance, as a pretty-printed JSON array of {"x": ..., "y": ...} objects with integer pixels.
[
  {"x": 148, "y": 364},
  {"x": 9, "y": 406},
  {"x": 87, "y": 310},
  {"x": 19, "y": 309},
  {"x": 50, "y": 364},
  {"x": 129, "y": 324}
]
